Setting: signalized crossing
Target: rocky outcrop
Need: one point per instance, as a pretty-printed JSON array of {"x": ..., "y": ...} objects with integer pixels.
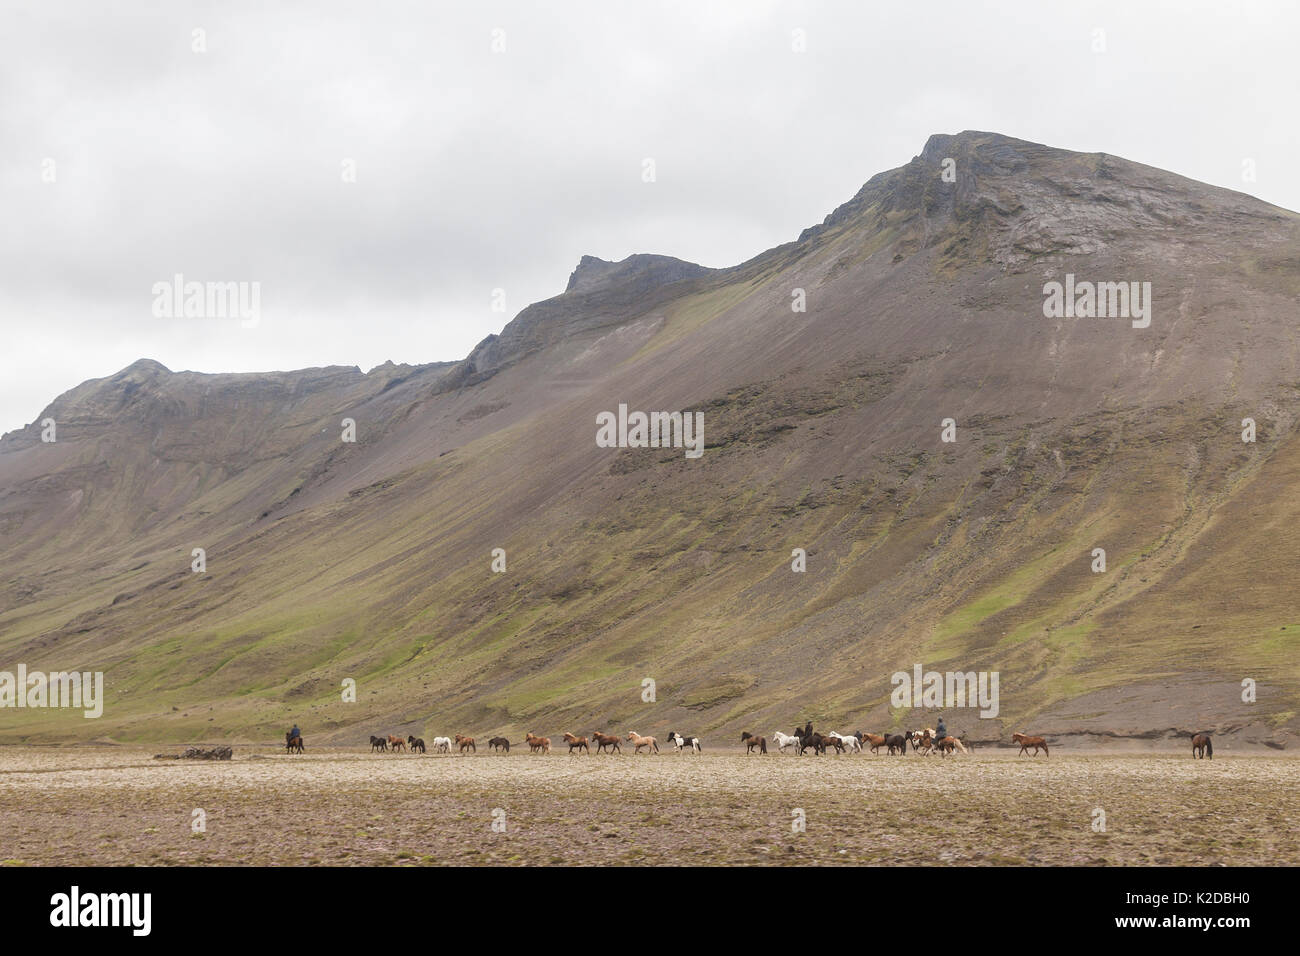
[{"x": 198, "y": 753}]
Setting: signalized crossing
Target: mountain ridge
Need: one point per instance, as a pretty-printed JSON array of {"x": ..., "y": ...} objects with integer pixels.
[{"x": 371, "y": 559}]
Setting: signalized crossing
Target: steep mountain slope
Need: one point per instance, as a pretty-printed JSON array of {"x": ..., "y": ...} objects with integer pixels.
[{"x": 924, "y": 302}]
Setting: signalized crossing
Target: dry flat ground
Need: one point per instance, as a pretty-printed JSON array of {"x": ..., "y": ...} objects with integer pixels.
[{"x": 120, "y": 807}]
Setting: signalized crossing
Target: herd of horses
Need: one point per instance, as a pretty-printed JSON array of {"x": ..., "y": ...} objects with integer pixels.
[
  {"x": 926, "y": 741},
  {"x": 802, "y": 741},
  {"x": 391, "y": 743}
]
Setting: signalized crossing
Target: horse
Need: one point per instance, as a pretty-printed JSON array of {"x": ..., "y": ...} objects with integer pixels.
[
  {"x": 607, "y": 740},
  {"x": 750, "y": 742},
  {"x": 1026, "y": 742},
  {"x": 293, "y": 744},
  {"x": 576, "y": 743},
  {"x": 923, "y": 740},
  {"x": 465, "y": 743},
  {"x": 499, "y": 743},
  {"x": 1202, "y": 747},
  {"x": 415, "y": 743},
  {"x": 897, "y": 743},
  {"x": 851, "y": 744},
  {"x": 649, "y": 743},
  {"x": 377, "y": 743},
  {"x": 785, "y": 740},
  {"x": 539, "y": 744},
  {"x": 818, "y": 743},
  {"x": 442, "y": 745},
  {"x": 948, "y": 744},
  {"x": 874, "y": 742},
  {"x": 682, "y": 743},
  {"x": 396, "y": 743}
]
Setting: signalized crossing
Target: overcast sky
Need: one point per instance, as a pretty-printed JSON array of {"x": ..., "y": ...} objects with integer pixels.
[{"x": 481, "y": 169}]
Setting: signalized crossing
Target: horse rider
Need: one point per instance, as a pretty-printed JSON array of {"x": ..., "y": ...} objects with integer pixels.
[
  {"x": 295, "y": 732},
  {"x": 941, "y": 731}
]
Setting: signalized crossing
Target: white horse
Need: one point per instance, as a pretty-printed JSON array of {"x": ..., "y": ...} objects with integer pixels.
[
  {"x": 785, "y": 740},
  {"x": 851, "y": 744},
  {"x": 442, "y": 745}
]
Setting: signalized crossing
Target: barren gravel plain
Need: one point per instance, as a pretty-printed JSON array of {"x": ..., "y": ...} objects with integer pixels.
[{"x": 118, "y": 806}]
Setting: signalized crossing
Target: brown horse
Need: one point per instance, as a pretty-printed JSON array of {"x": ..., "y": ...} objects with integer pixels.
[
  {"x": 875, "y": 742},
  {"x": 293, "y": 744},
  {"x": 499, "y": 743},
  {"x": 1202, "y": 747},
  {"x": 947, "y": 745},
  {"x": 538, "y": 744},
  {"x": 396, "y": 743},
  {"x": 607, "y": 740},
  {"x": 465, "y": 743},
  {"x": 576, "y": 743},
  {"x": 1026, "y": 742},
  {"x": 649, "y": 743},
  {"x": 817, "y": 743},
  {"x": 750, "y": 741}
]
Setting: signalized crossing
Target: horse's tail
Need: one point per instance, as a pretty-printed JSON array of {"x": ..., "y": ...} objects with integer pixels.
[
  {"x": 1045, "y": 750},
  {"x": 1209, "y": 747},
  {"x": 762, "y": 747}
]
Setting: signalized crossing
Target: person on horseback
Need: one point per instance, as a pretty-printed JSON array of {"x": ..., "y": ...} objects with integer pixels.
[
  {"x": 941, "y": 731},
  {"x": 295, "y": 732}
]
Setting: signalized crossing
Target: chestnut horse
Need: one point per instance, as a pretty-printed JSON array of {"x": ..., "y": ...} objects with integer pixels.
[
  {"x": 1026, "y": 742},
  {"x": 576, "y": 743},
  {"x": 1202, "y": 747},
  {"x": 875, "y": 742},
  {"x": 750, "y": 742},
  {"x": 649, "y": 743},
  {"x": 607, "y": 740},
  {"x": 465, "y": 743},
  {"x": 538, "y": 744},
  {"x": 396, "y": 743},
  {"x": 293, "y": 744}
]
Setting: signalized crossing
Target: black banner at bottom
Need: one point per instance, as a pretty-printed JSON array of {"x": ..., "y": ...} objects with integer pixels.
[{"x": 335, "y": 904}]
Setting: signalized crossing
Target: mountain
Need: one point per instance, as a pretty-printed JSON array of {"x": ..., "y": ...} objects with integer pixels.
[{"x": 924, "y": 300}]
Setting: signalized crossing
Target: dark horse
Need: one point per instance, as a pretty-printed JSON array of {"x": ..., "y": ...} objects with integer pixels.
[
  {"x": 377, "y": 743},
  {"x": 1202, "y": 747},
  {"x": 415, "y": 743},
  {"x": 293, "y": 744},
  {"x": 499, "y": 743},
  {"x": 897, "y": 743}
]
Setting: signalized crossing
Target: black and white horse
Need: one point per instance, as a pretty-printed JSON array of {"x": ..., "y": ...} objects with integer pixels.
[{"x": 684, "y": 743}]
